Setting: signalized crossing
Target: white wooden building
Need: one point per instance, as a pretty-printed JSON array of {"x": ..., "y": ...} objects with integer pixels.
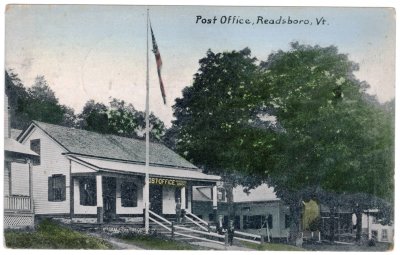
[
  {"x": 83, "y": 174},
  {"x": 252, "y": 210},
  {"x": 18, "y": 203},
  {"x": 374, "y": 229}
]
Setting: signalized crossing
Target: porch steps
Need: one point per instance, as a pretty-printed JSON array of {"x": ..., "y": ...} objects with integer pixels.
[{"x": 164, "y": 232}]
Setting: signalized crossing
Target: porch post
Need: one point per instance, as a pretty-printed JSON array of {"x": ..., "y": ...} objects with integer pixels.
[
  {"x": 9, "y": 179},
  {"x": 30, "y": 184},
  {"x": 99, "y": 191},
  {"x": 145, "y": 193},
  {"x": 183, "y": 198},
  {"x": 189, "y": 198},
  {"x": 215, "y": 201}
]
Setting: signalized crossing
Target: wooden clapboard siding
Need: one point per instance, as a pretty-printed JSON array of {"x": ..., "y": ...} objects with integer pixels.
[
  {"x": 19, "y": 179},
  {"x": 6, "y": 179},
  {"x": 6, "y": 118},
  {"x": 51, "y": 162}
]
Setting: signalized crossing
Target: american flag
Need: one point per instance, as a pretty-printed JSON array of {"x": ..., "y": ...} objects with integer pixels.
[{"x": 159, "y": 64}]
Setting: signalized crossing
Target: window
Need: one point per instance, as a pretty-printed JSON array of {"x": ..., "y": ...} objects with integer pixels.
[
  {"x": 87, "y": 191},
  {"x": 254, "y": 222},
  {"x": 384, "y": 235},
  {"x": 221, "y": 194},
  {"x": 35, "y": 146},
  {"x": 56, "y": 188},
  {"x": 128, "y": 194}
]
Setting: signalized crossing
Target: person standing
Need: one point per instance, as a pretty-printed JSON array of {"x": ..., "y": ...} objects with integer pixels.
[
  {"x": 178, "y": 210},
  {"x": 231, "y": 232},
  {"x": 220, "y": 225}
]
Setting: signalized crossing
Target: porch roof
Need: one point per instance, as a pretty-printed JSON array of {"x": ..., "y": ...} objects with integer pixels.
[
  {"x": 11, "y": 145},
  {"x": 105, "y": 165}
]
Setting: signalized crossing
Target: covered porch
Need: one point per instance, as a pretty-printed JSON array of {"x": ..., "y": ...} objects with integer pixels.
[
  {"x": 18, "y": 202},
  {"x": 109, "y": 191}
]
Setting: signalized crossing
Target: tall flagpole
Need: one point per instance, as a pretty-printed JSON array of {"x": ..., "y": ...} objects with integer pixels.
[{"x": 146, "y": 168}]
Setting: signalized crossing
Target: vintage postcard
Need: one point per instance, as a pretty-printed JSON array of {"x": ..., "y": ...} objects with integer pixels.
[{"x": 199, "y": 128}]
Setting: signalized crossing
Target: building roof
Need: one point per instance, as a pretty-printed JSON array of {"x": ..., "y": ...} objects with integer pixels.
[
  {"x": 82, "y": 142},
  {"x": 10, "y": 145},
  {"x": 261, "y": 193}
]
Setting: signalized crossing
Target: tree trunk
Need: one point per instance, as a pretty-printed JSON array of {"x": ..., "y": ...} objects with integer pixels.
[
  {"x": 229, "y": 200},
  {"x": 332, "y": 224},
  {"x": 358, "y": 225},
  {"x": 295, "y": 226}
]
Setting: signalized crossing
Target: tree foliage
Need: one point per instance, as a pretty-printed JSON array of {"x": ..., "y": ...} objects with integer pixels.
[
  {"x": 119, "y": 118},
  {"x": 334, "y": 138},
  {"x": 36, "y": 103},
  {"x": 39, "y": 102},
  {"x": 300, "y": 121},
  {"x": 214, "y": 114}
]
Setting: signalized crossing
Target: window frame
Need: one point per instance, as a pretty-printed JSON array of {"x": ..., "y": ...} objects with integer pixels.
[
  {"x": 384, "y": 234},
  {"x": 221, "y": 195}
]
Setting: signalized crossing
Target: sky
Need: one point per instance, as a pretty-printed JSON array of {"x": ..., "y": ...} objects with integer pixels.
[{"x": 97, "y": 52}]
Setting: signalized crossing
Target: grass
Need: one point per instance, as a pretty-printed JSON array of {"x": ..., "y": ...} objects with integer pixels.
[
  {"x": 50, "y": 235},
  {"x": 153, "y": 242},
  {"x": 272, "y": 247}
]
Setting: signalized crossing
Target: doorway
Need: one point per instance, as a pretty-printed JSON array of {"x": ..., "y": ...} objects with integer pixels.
[
  {"x": 109, "y": 198},
  {"x": 156, "y": 199}
]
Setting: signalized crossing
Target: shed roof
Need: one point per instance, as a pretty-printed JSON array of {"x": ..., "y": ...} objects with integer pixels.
[
  {"x": 83, "y": 142},
  {"x": 10, "y": 145},
  {"x": 261, "y": 193}
]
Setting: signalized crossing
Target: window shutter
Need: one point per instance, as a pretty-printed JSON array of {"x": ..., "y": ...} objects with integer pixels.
[
  {"x": 50, "y": 189},
  {"x": 63, "y": 187}
]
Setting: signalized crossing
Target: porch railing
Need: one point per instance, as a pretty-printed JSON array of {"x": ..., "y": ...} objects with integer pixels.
[
  {"x": 188, "y": 232},
  {"x": 18, "y": 203},
  {"x": 242, "y": 236},
  {"x": 207, "y": 233},
  {"x": 197, "y": 221}
]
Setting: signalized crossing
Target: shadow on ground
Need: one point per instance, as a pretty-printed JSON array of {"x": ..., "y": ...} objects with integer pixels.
[{"x": 348, "y": 247}]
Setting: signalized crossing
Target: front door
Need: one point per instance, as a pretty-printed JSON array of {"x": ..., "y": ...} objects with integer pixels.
[
  {"x": 156, "y": 199},
  {"x": 109, "y": 198}
]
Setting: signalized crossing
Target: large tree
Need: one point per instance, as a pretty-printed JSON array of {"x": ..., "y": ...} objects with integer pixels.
[
  {"x": 300, "y": 121},
  {"x": 335, "y": 137},
  {"x": 215, "y": 127}
]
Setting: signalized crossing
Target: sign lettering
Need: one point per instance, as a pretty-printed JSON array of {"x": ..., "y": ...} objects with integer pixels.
[{"x": 169, "y": 182}]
